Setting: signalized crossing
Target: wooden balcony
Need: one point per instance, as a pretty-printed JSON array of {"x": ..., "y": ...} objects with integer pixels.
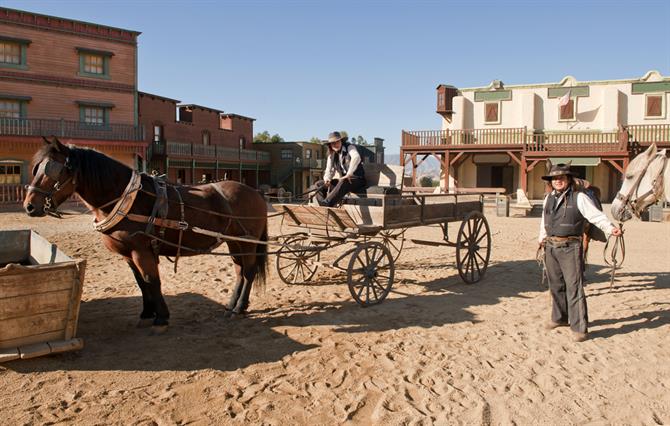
[
  {"x": 520, "y": 139},
  {"x": 70, "y": 129},
  {"x": 209, "y": 152}
]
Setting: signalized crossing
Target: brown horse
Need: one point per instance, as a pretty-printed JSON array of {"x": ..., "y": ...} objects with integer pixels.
[{"x": 229, "y": 208}]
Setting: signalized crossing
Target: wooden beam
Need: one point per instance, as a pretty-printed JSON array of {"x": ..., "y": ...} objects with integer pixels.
[
  {"x": 456, "y": 158},
  {"x": 615, "y": 166},
  {"x": 532, "y": 165},
  {"x": 511, "y": 154},
  {"x": 423, "y": 159},
  {"x": 524, "y": 175}
]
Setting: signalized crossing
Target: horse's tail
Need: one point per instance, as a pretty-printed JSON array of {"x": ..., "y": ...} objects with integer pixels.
[{"x": 262, "y": 259}]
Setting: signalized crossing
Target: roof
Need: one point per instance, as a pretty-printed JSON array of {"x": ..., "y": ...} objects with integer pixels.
[
  {"x": 218, "y": 111},
  {"x": 163, "y": 98},
  {"x": 243, "y": 117},
  {"x": 55, "y": 23}
]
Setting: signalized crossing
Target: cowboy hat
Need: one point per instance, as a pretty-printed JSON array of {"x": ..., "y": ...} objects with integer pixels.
[
  {"x": 335, "y": 137},
  {"x": 558, "y": 170}
]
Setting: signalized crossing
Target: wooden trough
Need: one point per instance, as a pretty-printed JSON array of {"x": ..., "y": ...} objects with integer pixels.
[{"x": 40, "y": 293}]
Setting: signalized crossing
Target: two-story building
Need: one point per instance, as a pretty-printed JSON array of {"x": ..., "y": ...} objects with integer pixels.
[
  {"x": 192, "y": 143},
  {"x": 501, "y": 136},
  {"x": 71, "y": 79}
]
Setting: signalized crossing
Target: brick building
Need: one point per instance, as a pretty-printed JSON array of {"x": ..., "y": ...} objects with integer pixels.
[
  {"x": 190, "y": 142},
  {"x": 76, "y": 80}
]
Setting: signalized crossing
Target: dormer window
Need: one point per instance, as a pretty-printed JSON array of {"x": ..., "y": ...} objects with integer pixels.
[
  {"x": 94, "y": 63},
  {"x": 205, "y": 138}
]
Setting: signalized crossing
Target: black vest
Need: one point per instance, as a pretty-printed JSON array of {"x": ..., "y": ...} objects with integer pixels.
[
  {"x": 343, "y": 165},
  {"x": 566, "y": 220}
]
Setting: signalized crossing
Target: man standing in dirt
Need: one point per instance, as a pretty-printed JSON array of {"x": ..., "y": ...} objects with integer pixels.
[{"x": 564, "y": 214}]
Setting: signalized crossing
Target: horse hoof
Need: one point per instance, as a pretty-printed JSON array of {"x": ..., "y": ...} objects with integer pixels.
[
  {"x": 157, "y": 330},
  {"x": 145, "y": 322}
]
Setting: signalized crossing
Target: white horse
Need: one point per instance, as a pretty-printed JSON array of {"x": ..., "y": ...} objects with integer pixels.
[{"x": 646, "y": 181}]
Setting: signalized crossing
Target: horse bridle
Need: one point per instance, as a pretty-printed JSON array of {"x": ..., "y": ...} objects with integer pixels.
[
  {"x": 635, "y": 205},
  {"x": 53, "y": 170}
]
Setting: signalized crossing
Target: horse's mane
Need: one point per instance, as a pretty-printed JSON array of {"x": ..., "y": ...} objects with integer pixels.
[{"x": 89, "y": 166}]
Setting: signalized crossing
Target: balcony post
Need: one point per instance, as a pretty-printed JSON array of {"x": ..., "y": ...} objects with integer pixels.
[{"x": 524, "y": 174}]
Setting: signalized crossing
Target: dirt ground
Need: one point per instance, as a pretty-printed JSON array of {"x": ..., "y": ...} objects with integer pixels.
[{"x": 437, "y": 351}]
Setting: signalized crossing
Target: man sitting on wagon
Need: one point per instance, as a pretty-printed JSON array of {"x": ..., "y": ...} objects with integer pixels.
[{"x": 344, "y": 161}]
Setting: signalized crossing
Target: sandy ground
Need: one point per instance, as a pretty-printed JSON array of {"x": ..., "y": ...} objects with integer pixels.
[{"x": 437, "y": 351}]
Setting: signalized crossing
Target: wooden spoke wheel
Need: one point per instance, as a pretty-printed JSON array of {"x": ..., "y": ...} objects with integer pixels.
[
  {"x": 295, "y": 266},
  {"x": 370, "y": 273},
  {"x": 393, "y": 240},
  {"x": 473, "y": 247}
]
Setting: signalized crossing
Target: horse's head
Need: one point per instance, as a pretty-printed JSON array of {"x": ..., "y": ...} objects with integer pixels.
[
  {"x": 53, "y": 179},
  {"x": 641, "y": 185}
]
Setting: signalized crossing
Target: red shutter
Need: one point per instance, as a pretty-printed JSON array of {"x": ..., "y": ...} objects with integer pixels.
[
  {"x": 491, "y": 113},
  {"x": 654, "y": 106},
  {"x": 568, "y": 110}
]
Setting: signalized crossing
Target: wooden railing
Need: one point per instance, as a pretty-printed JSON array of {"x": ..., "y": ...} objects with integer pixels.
[
  {"x": 538, "y": 142},
  {"x": 215, "y": 152},
  {"x": 649, "y": 133},
  {"x": 70, "y": 129},
  {"x": 12, "y": 193},
  {"x": 599, "y": 142},
  {"x": 511, "y": 136}
]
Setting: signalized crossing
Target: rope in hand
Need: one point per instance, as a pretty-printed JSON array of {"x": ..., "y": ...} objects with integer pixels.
[
  {"x": 613, "y": 262},
  {"x": 539, "y": 257}
]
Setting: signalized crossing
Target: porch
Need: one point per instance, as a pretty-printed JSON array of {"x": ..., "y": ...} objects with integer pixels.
[{"x": 526, "y": 149}]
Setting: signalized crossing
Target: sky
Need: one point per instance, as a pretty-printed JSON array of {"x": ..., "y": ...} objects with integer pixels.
[{"x": 305, "y": 68}]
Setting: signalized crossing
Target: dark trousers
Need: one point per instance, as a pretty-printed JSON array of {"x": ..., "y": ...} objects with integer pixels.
[
  {"x": 563, "y": 262},
  {"x": 331, "y": 196}
]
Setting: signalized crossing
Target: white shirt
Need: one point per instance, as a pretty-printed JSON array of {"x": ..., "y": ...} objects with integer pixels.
[
  {"x": 353, "y": 164},
  {"x": 588, "y": 210}
]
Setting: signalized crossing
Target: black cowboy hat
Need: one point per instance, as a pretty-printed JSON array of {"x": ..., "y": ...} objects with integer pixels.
[
  {"x": 558, "y": 170},
  {"x": 335, "y": 137}
]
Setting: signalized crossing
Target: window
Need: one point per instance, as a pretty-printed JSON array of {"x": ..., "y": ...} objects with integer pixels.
[
  {"x": 13, "y": 52},
  {"x": 94, "y": 63},
  {"x": 308, "y": 154},
  {"x": 10, "y": 108},
  {"x": 10, "y": 173},
  {"x": 491, "y": 113},
  {"x": 205, "y": 138},
  {"x": 158, "y": 133},
  {"x": 567, "y": 112},
  {"x": 10, "y": 53},
  {"x": 181, "y": 176},
  {"x": 654, "y": 106},
  {"x": 243, "y": 142},
  {"x": 92, "y": 115},
  {"x": 286, "y": 154}
]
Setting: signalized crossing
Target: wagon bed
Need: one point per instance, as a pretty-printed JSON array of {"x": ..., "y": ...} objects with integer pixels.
[{"x": 376, "y": 225}]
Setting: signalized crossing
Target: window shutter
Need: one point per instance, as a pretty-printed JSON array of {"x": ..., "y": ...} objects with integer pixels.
[
  {"x": 491, "y": 112},
  {"x": 654, "y": 106},
  {"x": 568, "y": 110}
]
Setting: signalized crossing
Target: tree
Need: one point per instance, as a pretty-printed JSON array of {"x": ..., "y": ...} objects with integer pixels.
[
  {"x": 265, "y": 137},
  {"x": 262, "y": 137},
  {"x": 426, "y": 181},
  {"x": 315, "y": 140}
]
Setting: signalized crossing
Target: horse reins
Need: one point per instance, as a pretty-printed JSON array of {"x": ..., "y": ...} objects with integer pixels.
[{"x": 618, "y": 245}]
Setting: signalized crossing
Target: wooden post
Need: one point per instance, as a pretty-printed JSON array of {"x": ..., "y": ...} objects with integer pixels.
[
  {"x": 414, "y": 170},
  {"x": 445, "y": 168},
  {"x": 524, "y": 174}
]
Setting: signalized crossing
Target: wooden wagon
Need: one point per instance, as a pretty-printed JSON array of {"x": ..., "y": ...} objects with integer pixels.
[
  {"x": 375, "y": 223},
  {"x": 40, "y": 293}
]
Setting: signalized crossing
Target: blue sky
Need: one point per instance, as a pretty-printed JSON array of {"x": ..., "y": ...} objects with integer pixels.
[{"x": 304, "y": 68}]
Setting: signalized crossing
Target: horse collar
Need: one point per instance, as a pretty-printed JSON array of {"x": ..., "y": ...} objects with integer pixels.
[{"x": 122, "y": 206}]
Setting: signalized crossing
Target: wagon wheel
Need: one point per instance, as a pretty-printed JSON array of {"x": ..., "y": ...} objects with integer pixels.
[
  {"x": 370, "y": 273},
  {"x": 473, "y": 247},
  {"x": 295, "y": 266},
  {"x": 394, "y": 240}
]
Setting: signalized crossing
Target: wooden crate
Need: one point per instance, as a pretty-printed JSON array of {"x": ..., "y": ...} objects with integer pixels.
[{"x": 40, "y": 293}]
